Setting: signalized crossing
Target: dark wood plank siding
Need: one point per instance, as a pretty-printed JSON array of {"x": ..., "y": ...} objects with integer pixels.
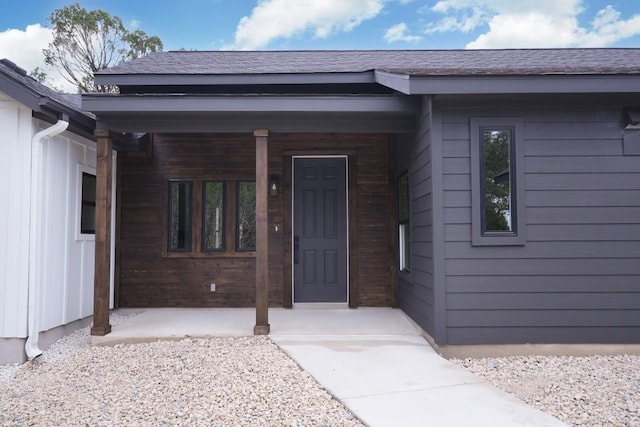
[
  {"x": 416, "y": 289},
  {"x": 151, "y": 278},
  {"x": 576, "y": 278}
]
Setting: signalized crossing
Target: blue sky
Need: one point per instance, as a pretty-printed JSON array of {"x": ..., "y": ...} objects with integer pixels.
[{"x": 341, "y": 24}]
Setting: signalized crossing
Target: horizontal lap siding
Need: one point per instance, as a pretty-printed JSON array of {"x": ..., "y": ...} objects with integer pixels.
[
  {"x": 577, "y": 278},
  {"x": 416, "y": 289},
  {"x": 149, "y": 279}
]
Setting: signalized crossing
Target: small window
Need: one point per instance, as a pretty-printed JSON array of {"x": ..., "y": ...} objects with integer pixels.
[
  {"x": 497, "y": 193},
  {"x": 180, "y": 216},
  {"x": 213, "y": 216},
  {"x": 246, "y": 216},
  {"x": 88, "y": 207},
  {"x": 404, "y": 234}
]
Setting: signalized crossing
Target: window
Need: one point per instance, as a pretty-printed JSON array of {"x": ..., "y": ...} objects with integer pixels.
[
  {"x": 180, "y": 216},
  {"x": 246, "y": 216},
  {"x": 498, "y": 182},
  {"x": 201, "y": 222},
  {"x": 404, "y": 234},
  {"x": 88, "y": 204},
  {"x": 213, "y": 216}
]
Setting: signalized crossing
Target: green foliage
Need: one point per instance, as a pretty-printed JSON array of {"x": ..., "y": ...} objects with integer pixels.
[
  {"x": 85, "y": 42},
  {"x": 39, "y": 75},
  {"x": 497, "y": 179},
  {"x": 247, "y": 215}
]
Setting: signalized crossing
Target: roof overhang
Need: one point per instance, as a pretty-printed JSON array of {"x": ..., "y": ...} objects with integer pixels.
[
  {"x": 248, "y": 103},
  {"x": 508, "y": 84},
  {"x": 233, "y": 79},
  {"x": 46, "y": 108},
  {"x": 190, "y": 113}
]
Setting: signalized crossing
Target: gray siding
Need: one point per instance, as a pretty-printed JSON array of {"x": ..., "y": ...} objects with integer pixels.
[
  {"x": 416, "y": 289},
  {"x": 577, "y": 278}
]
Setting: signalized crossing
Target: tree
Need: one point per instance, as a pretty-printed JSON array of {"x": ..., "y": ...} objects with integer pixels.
[{"x": 85, "y": 42}]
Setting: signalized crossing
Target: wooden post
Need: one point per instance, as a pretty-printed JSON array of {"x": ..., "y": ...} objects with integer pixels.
[
  {"x": 262, "y": 233},
  {"x": 102, "y": 270}
]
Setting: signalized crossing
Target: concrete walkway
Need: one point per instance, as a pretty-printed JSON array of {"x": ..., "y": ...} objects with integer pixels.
[{"x": 374, "y": 360}]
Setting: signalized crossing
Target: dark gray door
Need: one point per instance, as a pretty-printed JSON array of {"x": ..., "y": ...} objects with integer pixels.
[{"x": 320, "y": 230}]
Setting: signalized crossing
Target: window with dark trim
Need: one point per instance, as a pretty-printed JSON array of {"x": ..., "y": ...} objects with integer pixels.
[
  {"x": 201, "y": 221},
  {"x": 213, "y": 216},
  {"x": 498, "y": 181},
  {"x": 246, "y": 216},
  {"x": 88, "y": 206},
  {"x": 180, "y": 202},
  {"x": 404, "y": 226}
]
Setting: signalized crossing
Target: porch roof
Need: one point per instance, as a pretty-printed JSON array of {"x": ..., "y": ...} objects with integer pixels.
[{"x": 338, "y": 91}]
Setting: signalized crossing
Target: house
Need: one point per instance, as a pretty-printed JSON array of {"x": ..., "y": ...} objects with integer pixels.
[
  {"x": 493, "y": 195},
  {"x": 47, "y": 168}
]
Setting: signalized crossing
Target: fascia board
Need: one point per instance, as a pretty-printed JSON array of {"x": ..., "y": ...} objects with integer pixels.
[
  {"x": 540, "y": 84},
  {"x": 186, "y": 103},
  {"x": 398, "y": 82},
  {"x": 231, "y": 79},
  {"x": 19, "y": 92}
]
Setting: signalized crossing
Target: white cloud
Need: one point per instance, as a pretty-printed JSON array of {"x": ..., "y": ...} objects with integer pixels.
[
  {"x": 525, "y": 23},
  {"x": 24, "y": 48},
  {"x": 398, "y": 33},
  {"x": 274, "y": 19}
]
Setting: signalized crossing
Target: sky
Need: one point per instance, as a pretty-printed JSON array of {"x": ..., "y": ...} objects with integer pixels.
[{"x": 337, "y": 24}]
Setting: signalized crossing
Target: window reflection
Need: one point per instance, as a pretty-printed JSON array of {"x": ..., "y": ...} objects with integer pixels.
[{"x": 497, "y": 180}]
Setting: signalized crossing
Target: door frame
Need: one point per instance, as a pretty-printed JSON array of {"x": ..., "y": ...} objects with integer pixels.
[{"x": 351, "y": 207}]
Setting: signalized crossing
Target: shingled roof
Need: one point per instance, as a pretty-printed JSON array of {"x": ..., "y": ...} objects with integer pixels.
[{"x": 410, "y": 62}]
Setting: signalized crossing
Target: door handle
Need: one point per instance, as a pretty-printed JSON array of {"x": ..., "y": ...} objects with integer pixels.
[{"x": 296, "y": 248}]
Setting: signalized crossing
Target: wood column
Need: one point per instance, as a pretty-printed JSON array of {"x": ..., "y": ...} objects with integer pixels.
[
  {"x": 102, "y": 279},
  {"x": 262, "y": 233}
]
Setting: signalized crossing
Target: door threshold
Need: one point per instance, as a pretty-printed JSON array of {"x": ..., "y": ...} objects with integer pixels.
[{"x": 320, "y": 305}]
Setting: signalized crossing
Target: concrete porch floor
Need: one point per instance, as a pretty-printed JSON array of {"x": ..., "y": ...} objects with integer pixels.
[{"x": 374, "y": 360}]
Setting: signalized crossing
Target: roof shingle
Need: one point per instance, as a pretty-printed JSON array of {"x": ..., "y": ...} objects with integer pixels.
[{"x": 416, "y": 62}]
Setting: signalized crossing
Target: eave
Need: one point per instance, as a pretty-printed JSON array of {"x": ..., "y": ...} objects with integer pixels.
[
  {"x": 232, "y": 79},
  {"x": 188, "y": 113},
  {"x": 508, "y": 84},
  {"x": 46, "y": 108},
  {"x": 178, "y": 103}
]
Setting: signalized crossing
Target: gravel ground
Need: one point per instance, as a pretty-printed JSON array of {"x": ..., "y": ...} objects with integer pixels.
[
  {"x": 250, "y": 381},
  {"x": 581, "y": 391},
  {"x": 208, "y": 382}
]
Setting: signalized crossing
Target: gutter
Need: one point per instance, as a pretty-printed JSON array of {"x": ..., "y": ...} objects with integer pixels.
[{"x": 34, "y": 282}]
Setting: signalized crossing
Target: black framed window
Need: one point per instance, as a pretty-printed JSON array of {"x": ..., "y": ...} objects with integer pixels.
[
  {"x": 404, "y": 226},
  {"x": 180, "y": 200},
  {"x": 246, "y": 216},
  {"x": 213, "y": 206},
  {"x": 88, "y": 206},
  {"x": 498, "y": 181}
]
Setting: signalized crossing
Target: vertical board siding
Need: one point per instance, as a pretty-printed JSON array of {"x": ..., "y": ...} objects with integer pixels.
[
  {"x": 416, "y": 289},
  {"x": 65, "y": 257},
  {"x": 15, "y": 166},
  {"x": 576, "y": 278},
  {"x": 62, "y": 261},
  {"x": 148, "y": 278}
]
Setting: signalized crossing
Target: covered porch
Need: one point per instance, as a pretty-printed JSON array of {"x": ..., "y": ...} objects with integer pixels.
[{"x": 280, "y": 130}]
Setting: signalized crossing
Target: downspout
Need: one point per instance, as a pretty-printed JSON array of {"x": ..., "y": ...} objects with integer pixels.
[{"x": 33, "y": 318}]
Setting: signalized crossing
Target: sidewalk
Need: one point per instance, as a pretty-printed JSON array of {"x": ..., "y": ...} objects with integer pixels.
[{"x": 373, "y": 360}]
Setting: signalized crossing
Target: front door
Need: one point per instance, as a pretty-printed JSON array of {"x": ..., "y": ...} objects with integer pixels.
[{"x": 319, "y": 230}]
